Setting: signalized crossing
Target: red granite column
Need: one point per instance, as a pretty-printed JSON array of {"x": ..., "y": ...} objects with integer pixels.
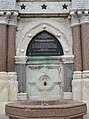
[
  {"x": 11, "y": 43},
  {"x": 85, "y": 40},
  {"x": 76, "y": 33},
  {"x": 3, "y": 41}
]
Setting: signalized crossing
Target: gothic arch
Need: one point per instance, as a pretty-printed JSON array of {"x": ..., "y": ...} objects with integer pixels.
[
  {"x": 44, "y": 44},
  {"x": 22, "y": 47}
]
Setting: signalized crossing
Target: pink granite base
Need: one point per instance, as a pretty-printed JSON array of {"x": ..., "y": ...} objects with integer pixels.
[
  {"x": 60, "y": 109},
  {"x": 77, "y": 48},
  {"x": 80, "y": 117},
  {"x": 85, "y": 45},
  {"x": 3, "y": 47},
  {"x": 11, "y": 48}
]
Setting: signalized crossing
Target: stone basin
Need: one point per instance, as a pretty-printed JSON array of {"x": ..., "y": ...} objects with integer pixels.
[{"x": 55, "y": 109}]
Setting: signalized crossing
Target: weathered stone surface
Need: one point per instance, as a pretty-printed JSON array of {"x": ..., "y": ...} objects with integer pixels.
[
  {"x": 68, "y": 76},
  {"x": 21, "y": 76},
  {"x": 44, "y": 81},
  {"x": 22, "y": 96},
  {"x": 80, "y": 85},
  {"x": 13, "y": 86},
  {"x": 3, "y": 87},
  {"x": 7, "y": 4},
  {"x": 80, "y": 4}
]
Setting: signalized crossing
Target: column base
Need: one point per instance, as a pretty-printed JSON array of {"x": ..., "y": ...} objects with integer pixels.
[
  {"x": 80, "y": 85},
  {"x": 22, "y": 96},
  {"x": 13, "y": 86},
  {"x": 8, "y": 86},
  {"x": 67, "y": 95}
]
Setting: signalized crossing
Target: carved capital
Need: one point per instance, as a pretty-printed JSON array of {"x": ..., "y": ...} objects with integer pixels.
[
  {"x": 77, "y": 75},
  {"x": 13, "y": 19},
  {"x": 20, "y": 59},
  {"x": 68, "y": 58},
  {"x": 84, "y": 17},
  {"x": 8, "y": 17},
  {"x": 86, "y": 74},
  {"x": 4, "y": 17},
  {"x": 74, "y": 18}
]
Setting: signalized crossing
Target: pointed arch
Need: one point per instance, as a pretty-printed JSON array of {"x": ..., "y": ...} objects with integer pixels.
[
  {"x": 44, "y": 44},
  {"x": 27, "y": 38}
]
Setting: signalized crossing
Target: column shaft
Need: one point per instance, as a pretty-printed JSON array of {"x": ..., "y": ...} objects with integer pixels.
[
  {"x": 85, "y": 45},
  {"x": 77, "y": 48},
  {"x": 3, "y": 46},
  {"x": 11, "y": 48}
]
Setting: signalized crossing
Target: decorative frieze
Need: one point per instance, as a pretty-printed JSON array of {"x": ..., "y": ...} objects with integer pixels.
[{"x": 43, "y": 9}]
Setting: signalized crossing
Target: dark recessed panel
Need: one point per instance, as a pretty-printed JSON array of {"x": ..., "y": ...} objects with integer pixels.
[{"x": 44, "y": 44}]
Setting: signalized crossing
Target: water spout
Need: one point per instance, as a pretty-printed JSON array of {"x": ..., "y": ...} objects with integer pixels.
[{"x": 44, "y": 103}]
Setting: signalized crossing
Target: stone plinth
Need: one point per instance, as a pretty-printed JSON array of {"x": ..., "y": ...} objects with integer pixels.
[
  {"x": 60, "y": 109},
  {"x": 13, "y": 86},
  {"x": 8, "y": 86},
  {"x": 3, "y": 87},
  {"x": 80, "y": 85}
]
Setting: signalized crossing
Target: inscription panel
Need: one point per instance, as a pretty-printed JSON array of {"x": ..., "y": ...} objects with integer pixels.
[
  {"x": 44, "y": 44},
  {"x": 7, "y": 4},
  {"x": 80, "y": 4}
]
